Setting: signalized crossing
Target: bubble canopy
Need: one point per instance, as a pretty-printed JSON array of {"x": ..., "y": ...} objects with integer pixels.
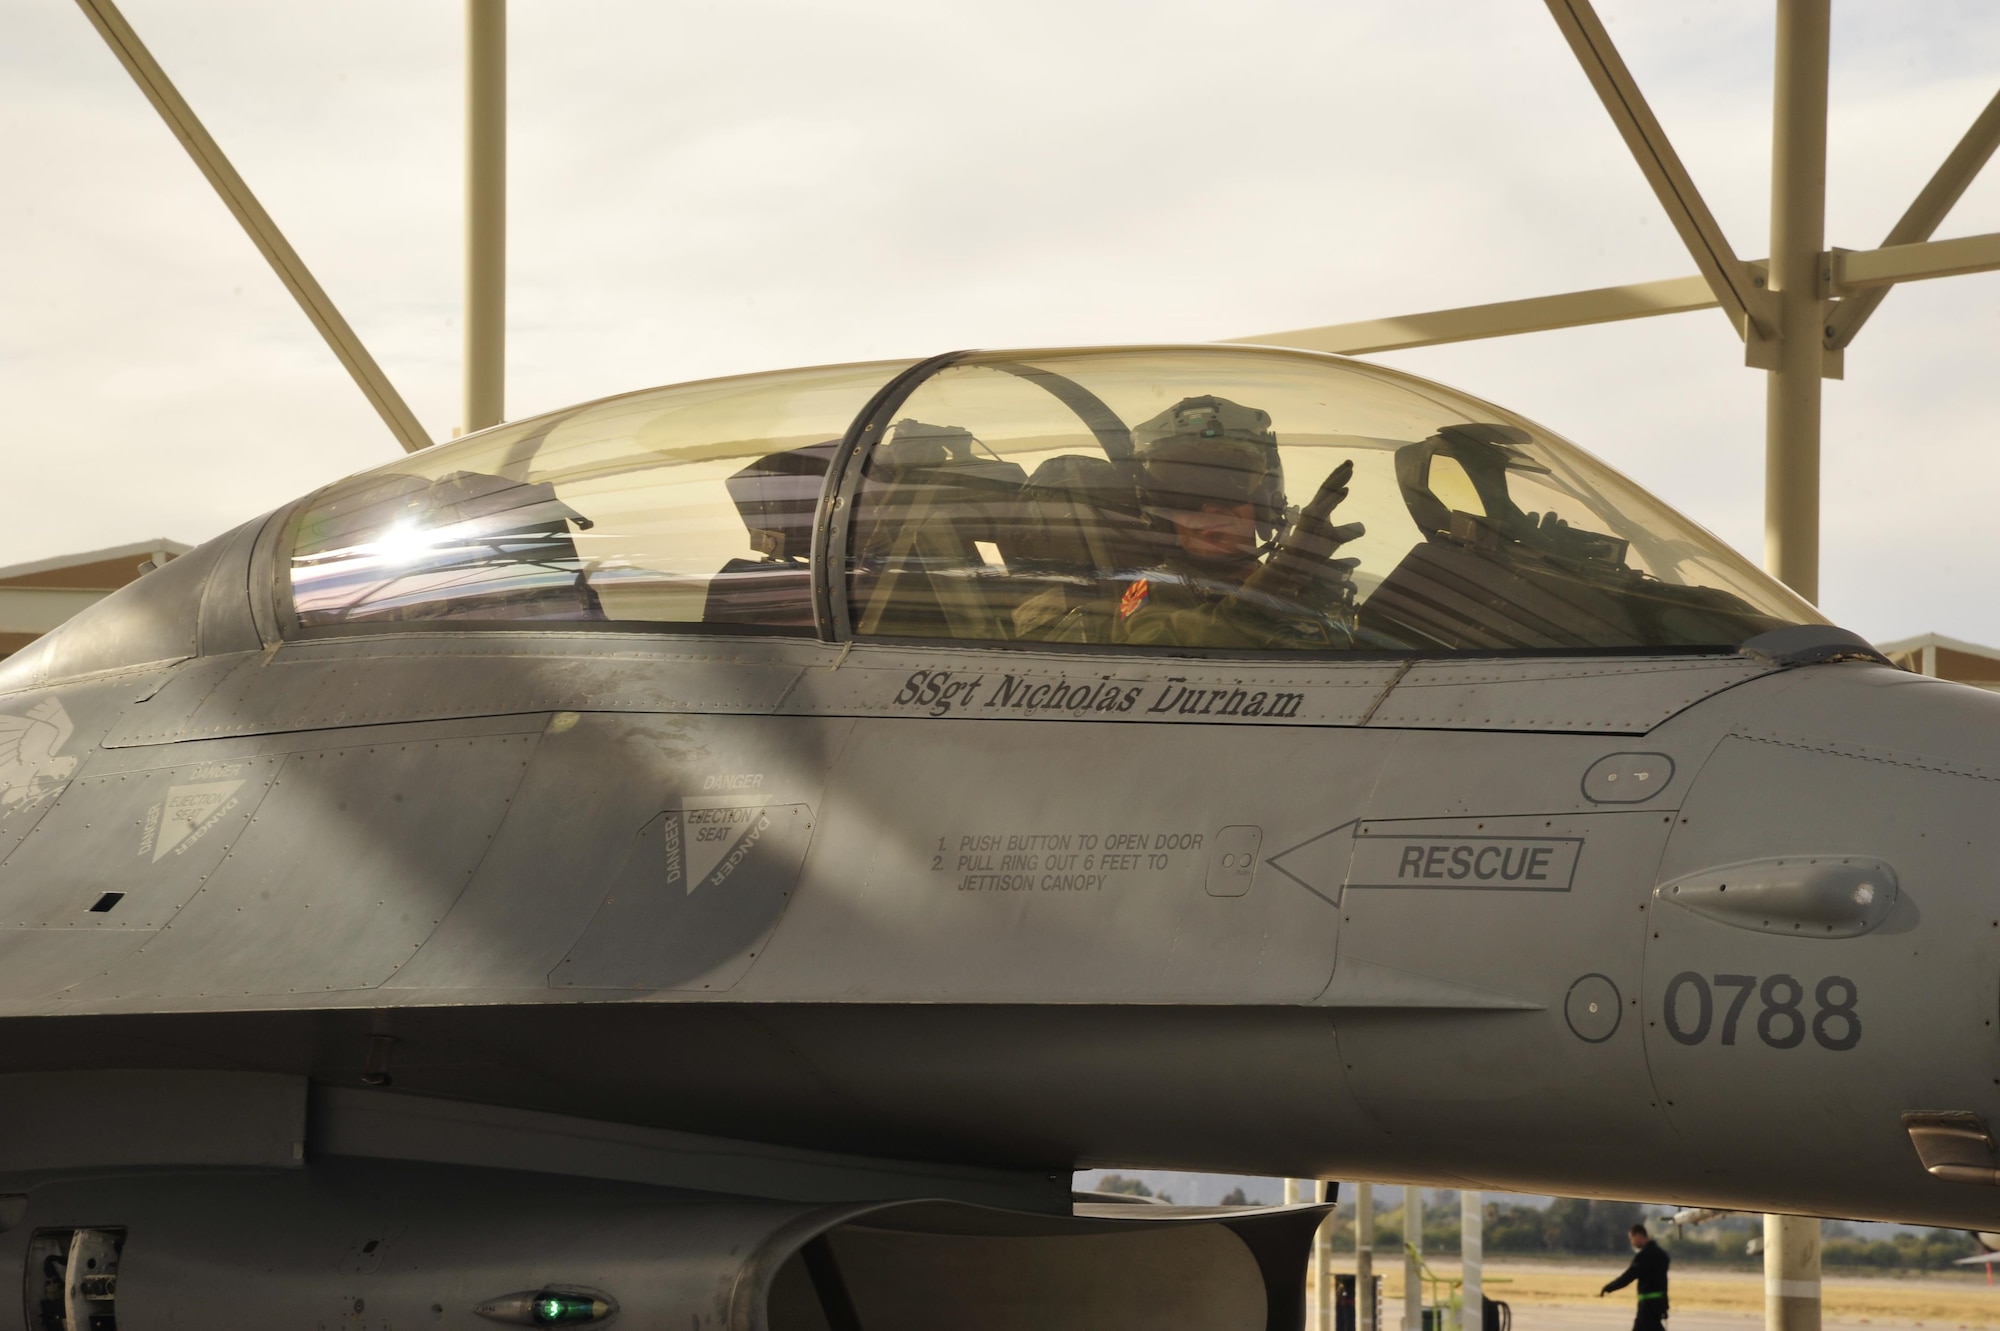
[{"x": 1215, "y": 499}]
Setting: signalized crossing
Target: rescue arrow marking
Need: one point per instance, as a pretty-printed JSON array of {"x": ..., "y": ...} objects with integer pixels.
[{"x": 1318, "y": 861}]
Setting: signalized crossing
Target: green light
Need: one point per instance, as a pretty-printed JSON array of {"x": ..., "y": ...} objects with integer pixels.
[{"x": 553, "y": 1309}]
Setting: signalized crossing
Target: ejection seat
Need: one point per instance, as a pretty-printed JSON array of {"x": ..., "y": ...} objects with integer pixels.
[
  {"x": 926, "y": 507},
  {"x": 776, "y": 496},
  {"x": 1503, "y": 578}
]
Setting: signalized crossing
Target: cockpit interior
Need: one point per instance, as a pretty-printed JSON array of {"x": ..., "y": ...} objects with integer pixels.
[{"x": 1232, "y": 499}]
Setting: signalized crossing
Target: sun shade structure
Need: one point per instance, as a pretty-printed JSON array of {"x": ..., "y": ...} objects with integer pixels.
[{"x": 1795, "y": 312}]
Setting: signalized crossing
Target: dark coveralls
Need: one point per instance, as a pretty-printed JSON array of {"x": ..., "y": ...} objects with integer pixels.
[{"x": 1649, "y": 1268}]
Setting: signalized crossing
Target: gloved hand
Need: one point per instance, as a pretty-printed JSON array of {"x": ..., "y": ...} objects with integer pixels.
[{"x": 1303, "y": 557}]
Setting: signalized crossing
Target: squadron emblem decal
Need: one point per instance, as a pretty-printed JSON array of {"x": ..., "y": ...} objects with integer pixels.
[{"x": 30, "y": 769}]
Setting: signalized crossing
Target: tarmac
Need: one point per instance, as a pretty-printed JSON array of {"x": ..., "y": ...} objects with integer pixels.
[
  {"x": 1557, "y": 1317},
  {"x": 1617, "y": 1316}
]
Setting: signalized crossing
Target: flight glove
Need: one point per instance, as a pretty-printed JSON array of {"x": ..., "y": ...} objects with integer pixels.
[{"x": 1302, "y": 562}]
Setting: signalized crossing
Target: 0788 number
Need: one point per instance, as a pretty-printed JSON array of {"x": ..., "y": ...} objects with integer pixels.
[{"x": 1781, "y": 1023}]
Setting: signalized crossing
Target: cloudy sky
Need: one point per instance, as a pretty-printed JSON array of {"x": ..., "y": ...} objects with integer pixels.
[{"x": 705, "y": 188}]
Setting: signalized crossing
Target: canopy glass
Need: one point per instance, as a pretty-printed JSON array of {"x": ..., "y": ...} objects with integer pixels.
[{"x": 1233, "y": 499}]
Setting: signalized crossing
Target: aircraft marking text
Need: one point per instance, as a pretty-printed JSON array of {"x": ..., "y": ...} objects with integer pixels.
[
  {"x": 941, "y": 692},
  {"x": 1520, "y": 864},
  {"x": 1056, "y": 861},
  {"x": 670, "y": 834},
  {"x": 702, "y": 847},
  {"x": 1781, "y": 1023},
  {"x": 187, "y": 814}
]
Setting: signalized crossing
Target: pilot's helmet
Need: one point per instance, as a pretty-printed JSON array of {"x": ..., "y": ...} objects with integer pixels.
[{"x": 1209, "y": 450}]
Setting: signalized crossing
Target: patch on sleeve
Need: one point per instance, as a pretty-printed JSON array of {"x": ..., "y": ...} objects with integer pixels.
[{"x": 1135, "y": 597}]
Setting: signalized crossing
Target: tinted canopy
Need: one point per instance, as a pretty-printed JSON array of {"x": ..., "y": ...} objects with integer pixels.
[{"x": 1219, "y": 498}]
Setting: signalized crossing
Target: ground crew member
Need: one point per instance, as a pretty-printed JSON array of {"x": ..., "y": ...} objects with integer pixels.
[
  {"x": 1649, "y": 1268},
  {"x": 1233, "y": 575}
]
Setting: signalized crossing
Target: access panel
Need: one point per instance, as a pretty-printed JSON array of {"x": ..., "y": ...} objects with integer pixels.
[
  {"x": 1016, "y": 861},
  {"x": 353, "y": 857},
  {"x": 1796, "y": 998}
]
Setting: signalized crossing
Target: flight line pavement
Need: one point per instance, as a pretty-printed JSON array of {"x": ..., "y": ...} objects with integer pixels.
[
  {"x": 1561, "y": 1296},
  {"x": 1618, "y": 1316}
]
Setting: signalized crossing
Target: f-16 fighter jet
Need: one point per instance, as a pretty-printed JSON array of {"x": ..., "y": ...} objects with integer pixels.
[{"x": 722, "y": 856}]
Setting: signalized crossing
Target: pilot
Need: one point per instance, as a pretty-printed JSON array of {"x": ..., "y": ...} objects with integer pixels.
[{"x": 1212, "y": 482}]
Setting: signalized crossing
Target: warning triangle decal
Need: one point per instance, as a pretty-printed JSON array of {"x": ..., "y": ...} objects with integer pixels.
[{"x": 189, "y": 809}]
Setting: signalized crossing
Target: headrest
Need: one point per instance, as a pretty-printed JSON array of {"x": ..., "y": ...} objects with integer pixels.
[{"x": 777, "y": 496}]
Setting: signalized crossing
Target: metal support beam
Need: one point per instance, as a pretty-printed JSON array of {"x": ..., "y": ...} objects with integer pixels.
[
  {"x": 263, "y": 232},
  {"x": 1472, "y": 1259},
  {"x": 1602, "y": 305},
  {"x": 1850, "y": 273},
  {"x": 1869, "y": 271},
  {"x": 1322, "y": 1314},
  {"x": 1734, "y": 285},
  {"x": 1364, "y": 1257},
  {"x": 1413, "y": 1251},
  {"x": 1798, "y": 238},
  {"x": 485, "y": 213},
  {"x": 1924, "y": 215},
  {"x": 1300, "y": 1191},
  {"x": 1791, "y": 1273}
]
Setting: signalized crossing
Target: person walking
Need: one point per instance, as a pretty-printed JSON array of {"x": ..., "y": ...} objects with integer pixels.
[{"x": 1649, "y": 1268}]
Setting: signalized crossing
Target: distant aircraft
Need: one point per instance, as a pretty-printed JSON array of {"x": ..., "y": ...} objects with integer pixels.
[{"x": 723, "y": 855}]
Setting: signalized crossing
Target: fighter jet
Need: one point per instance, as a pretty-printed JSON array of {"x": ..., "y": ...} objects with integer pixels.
[{"x": 723, "y": 855}]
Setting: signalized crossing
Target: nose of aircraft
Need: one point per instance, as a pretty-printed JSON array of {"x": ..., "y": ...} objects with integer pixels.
[{"x": 1823, "y": 951}]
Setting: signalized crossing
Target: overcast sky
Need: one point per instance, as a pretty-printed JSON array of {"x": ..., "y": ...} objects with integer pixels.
[{"x": 707, "y": 188}]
